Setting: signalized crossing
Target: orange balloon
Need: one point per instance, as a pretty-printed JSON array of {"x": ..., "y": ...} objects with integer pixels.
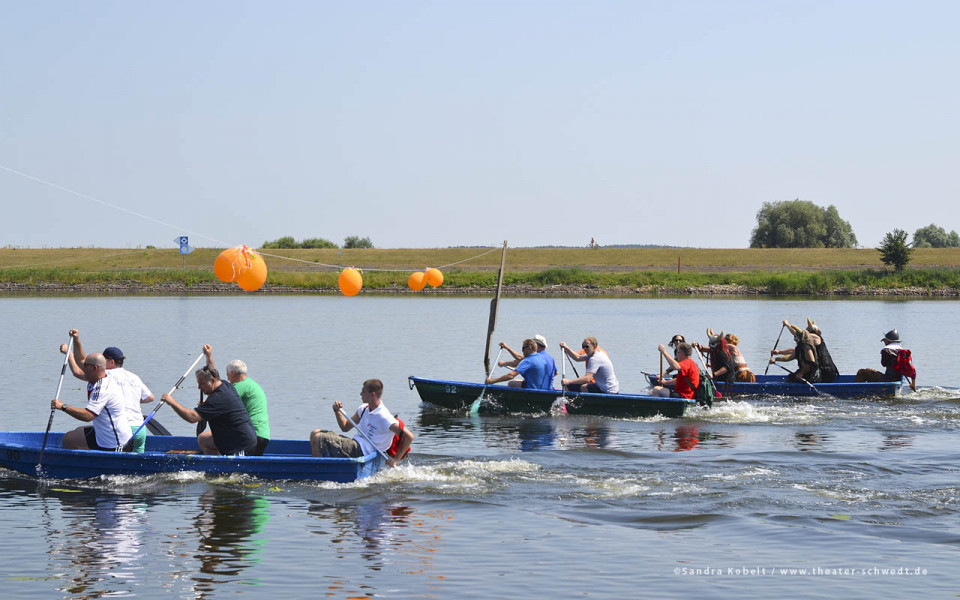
[
  {"x": 434, "y": 277},
  {"x": 417, "y": 281},
  {"x": 350, "y": 282},
  {"x": 253, "y": 272},
  {"x": 225, "y": 267}
]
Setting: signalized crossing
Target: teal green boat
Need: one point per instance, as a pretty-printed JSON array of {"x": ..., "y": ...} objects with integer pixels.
[{"x": 460, "y": 395}]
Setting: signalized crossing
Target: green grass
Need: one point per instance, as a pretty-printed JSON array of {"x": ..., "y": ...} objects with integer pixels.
[
  {"x": 783, "y": 272},
  {"x": 485, "y": 259},
  {"x": 779, "y": 283}
]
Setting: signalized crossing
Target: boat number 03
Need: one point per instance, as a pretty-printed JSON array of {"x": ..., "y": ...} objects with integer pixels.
[
  {"x": 13, "y": 454},
  {"x": 450, "y": 389}
]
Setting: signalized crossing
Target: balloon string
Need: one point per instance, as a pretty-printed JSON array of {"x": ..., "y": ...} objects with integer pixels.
[
  {"x": 221, "y": 242},
  {"x": 114, "y": 206},
  {"x": 316, "y": 264}
]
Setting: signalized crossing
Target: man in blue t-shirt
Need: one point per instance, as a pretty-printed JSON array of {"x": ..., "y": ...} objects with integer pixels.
[
  {"x": 541, "y": 350},
  {"x": 533, "y": 368}
]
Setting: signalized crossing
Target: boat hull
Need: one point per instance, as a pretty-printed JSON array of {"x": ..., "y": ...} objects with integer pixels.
[
  {"x": 777, "y": 385},
  {"x": 284, "y": 459},
  {"x": 459, "y": 395}
]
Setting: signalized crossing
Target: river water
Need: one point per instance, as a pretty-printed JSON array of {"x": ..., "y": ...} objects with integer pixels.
[{"x": 814, "y": 498}]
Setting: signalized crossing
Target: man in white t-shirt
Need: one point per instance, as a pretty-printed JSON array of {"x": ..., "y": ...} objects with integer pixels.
[
  {"x": 135, "y": 392},
  {"x": 105, "y": 409},
  {"x": 373, "y": 419},
  {"x": 599, "y": 377}
]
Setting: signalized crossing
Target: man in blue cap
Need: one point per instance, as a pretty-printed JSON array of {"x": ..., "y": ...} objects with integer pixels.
[{"x": 134, "y": 391}]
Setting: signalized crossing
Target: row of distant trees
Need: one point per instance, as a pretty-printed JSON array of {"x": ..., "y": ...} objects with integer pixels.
[
  {"x": 287, "y": 241},
  {"x": 803, "y": 224},
  {"x": 895, "y": 251}
]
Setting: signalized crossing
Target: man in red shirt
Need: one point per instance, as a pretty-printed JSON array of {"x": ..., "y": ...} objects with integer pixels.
[{"x": 684, "y": 385}]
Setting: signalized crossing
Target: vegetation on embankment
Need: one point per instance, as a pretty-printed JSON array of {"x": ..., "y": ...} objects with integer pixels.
[
  {"x": 915, "y": 282},
  {"x": 558, "y": 271},
  {"x": 485, "y": 259}
]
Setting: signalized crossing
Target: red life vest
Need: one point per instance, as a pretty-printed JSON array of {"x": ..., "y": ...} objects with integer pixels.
[
  {"x": 395, "y": 444},
  {"x": 904, "y": 365}
]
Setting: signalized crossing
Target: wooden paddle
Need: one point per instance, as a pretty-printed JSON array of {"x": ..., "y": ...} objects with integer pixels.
[
  {"x": 812, "y": 387},
  {"x": 775, "y": 344},
  {"x": 572, "y": 366},
  {"x": 709, "y": 371},
  {"x": 63, "y": 370},
  {"x": 475, "y": 405},
  {"x": 561, "y": 402},
  {"x": 129, "y": 444}
]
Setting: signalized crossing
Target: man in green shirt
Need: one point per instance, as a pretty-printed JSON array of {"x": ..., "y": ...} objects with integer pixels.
[{"x": 252, "y": 395}]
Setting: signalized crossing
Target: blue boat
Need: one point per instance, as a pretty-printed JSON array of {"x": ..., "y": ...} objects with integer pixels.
[
  {"x": 284, "y": 459},
  {"x": 777, "y": 385},
  {"x": 459, "y": 395}
]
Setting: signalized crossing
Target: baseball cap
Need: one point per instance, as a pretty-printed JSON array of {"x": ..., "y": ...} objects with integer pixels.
[{"x": 113, "y": 353}]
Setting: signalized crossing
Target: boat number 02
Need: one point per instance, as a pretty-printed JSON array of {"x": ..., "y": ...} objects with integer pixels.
[
  {"x": 13, "y": 454},
  {"x": 450, "y": 389}
]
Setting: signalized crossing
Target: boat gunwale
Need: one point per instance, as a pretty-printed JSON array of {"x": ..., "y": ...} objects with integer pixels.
[
  {"x": 556, "y": 393},
  {"x": 94, "y": 463}
]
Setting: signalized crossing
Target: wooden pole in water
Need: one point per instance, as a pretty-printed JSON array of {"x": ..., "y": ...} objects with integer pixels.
[{"x": 494, "y": 308}]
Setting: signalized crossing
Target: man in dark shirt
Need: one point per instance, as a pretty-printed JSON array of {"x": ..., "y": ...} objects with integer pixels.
[{"x": 232, "y": 430}]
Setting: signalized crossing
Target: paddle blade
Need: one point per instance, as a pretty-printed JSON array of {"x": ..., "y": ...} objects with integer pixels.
[
  {"x": 156, "y": 428},
  {"x": 475, "y": 405}
]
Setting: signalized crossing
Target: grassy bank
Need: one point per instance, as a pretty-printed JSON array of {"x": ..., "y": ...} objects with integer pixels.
[
  {"x": 529, "y": 270},
  {"x": 944, "y": 282},
  {"x": 485, "y": 259}
]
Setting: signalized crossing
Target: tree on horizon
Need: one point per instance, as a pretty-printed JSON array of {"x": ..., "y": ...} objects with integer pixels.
[{"x": 800, "y": 224}]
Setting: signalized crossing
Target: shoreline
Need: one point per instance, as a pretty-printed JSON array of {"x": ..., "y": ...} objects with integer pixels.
[{"x": 133, "y": 288}]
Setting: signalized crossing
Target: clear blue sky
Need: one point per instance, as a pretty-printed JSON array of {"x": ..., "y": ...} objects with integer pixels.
[{"x": 432, "y": 124}]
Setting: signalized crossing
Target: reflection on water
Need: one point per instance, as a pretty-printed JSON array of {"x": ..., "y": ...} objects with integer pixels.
[
  {"x": 806, "y": 441},
  {"x": 686, "y": 437},
  {"x": 681, "y": 437},
  {"x": 228, "y": 525},
  {"x": 101, "y": 541},
  {"x": 535, "y": 433},
  {"x": 379, "y": 527},
  {"x": 896, "y": 441},
  {"x": 387, "y": 536}
]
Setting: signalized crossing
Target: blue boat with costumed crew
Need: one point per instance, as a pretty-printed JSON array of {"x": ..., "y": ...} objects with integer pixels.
[
  {"x": 843, "y": 386},
  {"x": 283, "y": 459}
]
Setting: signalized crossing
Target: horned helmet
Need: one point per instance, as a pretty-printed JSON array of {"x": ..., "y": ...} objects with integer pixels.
[{"x": 713, "y": 338}]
